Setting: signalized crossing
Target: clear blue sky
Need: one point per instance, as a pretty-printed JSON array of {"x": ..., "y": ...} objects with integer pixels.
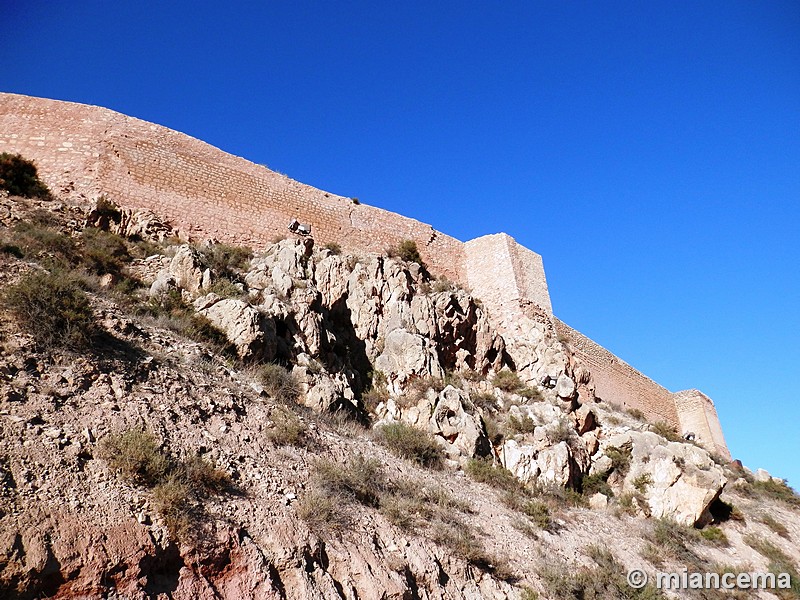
[{"x": 650, "y": 151}]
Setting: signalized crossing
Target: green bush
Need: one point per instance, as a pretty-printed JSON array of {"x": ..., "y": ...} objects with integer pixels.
[
  {"x": 406, "y": 250},
  {"x": 412, "y": 444},
  {"x": 19, "y": 177},
  {"x": 592, "y": 484},
  {"x": 666, "y": 431},
  {"x": 620, "y": 458},
  {"x": 521, "y": 425},
  {"x": 104, "y": 252},
  {"x": 53, "y": 309}
]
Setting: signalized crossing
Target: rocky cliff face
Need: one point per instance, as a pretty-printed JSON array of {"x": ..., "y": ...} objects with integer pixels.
[{"x": 376, "y": 436}]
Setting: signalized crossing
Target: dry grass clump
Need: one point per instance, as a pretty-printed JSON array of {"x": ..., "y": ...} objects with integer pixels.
[
  {"x": 497, "y": 477},
  {"x": 520, "y": 425},
  {"x": 607, "y": 579},
  {"x": 775, "y": 526},
  {"x": 776, "y": 490},
  {"x": 225, "y": 260},
  {"x": 779, "y": 562},
  {"x": 669, "y": 539},
  {"x": 287, "y": 429},
  {"x": 666, "y": 431},
  {"x": 177, "y": 486},
  {"x": 278, "y": 382},
  {"x": 327, "y": 507},
  {"x": 412, "y": 444},
  {"x": 508, "y": 381}
]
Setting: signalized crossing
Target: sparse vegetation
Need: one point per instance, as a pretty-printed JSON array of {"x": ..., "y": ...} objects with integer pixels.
[
  {"x": 406, "y": 250},
  {"x": 53, "y": 309},
  {"x": 103, "y": 252},
  {"x": 714, "y": 535},
  {"x": 779, "y": 562},
  {"x": 508, "y": 381},
  {"x": 776, "y": 490},
  {"x": 333, "y": 248},
  {"x": 520, "y": 425},
  {"x": 606, "y": 580},
  {"x": 620, "y": 459},
  {"x": 412, "y": 444},
  {"x": 484, "y": 471},
  {"x": 177, "y": 486},
  {"x": 641, "y": 482},
  {"x": 598, "y": 482},
  {"x": 666, "y": 431},
  {"x": 775, "y": 526},
  {"x": 225, "y": 260},
  {"x": 19, "y": 177},
  {"x": 673, "y": 541},
  {"x": 288, "y": 429},
  {"x": 278, "y": 382}
]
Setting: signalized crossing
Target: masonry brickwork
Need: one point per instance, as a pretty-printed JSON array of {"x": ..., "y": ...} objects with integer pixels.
[{"x": 84, "y": 151}]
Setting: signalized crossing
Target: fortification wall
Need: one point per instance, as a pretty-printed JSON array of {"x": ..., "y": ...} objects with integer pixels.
[
  {"x": 505, "y": 276},
  {"x": 82, "y": 151},
  {"x": 618, "y": 383},
  {"x": 697, "y": 415}
]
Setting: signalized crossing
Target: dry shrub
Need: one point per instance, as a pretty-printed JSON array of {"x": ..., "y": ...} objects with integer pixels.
[
  {"x": 287, "y": 429},
  {"x": 279, "y": 382},
  {"x": 412, "y": 444},
  {"x": 53, "y": 309},
  {"x": 137, "y": 454}
]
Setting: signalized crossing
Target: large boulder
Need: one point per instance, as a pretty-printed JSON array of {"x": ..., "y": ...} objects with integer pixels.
[
  {"x": 248, "y": 330},
  {"x": 406, "y": 355},
  {"x": 677, "y": 480},
  {"x": 189, "y": 270},
  {"x": 463, "y": 431}
]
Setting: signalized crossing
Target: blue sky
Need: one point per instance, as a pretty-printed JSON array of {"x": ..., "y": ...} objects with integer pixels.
[{"x": 649, "y": 151}]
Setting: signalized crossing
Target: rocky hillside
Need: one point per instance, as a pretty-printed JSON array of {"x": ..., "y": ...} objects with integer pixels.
[{"x": 185, "y": 419}]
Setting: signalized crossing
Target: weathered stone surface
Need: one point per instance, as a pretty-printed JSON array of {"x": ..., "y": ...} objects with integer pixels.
[
  {"x": 249, "y": 331},
  {"x": 405, "y": 355},
  {"x": 462, "y": 430},
  {"x": 520, "y": 460},
  {"x": 189, "y": 270}
]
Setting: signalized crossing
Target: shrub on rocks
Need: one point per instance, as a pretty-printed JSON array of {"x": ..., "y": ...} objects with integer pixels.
[
  {"x": 53, "y": 309},
  {"x": 412, "y": 444},
  {"x": 19, "y": 177}
]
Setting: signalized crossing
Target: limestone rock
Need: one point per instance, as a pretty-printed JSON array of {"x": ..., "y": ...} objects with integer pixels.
[
  {"x": 249, "y": 331},
  {"x": 405, "y": 355},
  {"x": 520, "y": 460},
  {"x": 189, "y": 270},
  {"x": 463, "y": 431}
]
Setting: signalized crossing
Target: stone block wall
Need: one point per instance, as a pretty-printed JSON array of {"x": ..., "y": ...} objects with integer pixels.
[
  {"x": 698, "y": 415},
  {"x": 83, "y": 151},
  {"x": 618, "y": 383}
]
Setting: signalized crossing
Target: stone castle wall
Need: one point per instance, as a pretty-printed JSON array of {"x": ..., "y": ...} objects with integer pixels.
[
  {"x": 698, "y": 415},
  {"x": 85, "y": 151},
  {"x": 619, "y": 383}
]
